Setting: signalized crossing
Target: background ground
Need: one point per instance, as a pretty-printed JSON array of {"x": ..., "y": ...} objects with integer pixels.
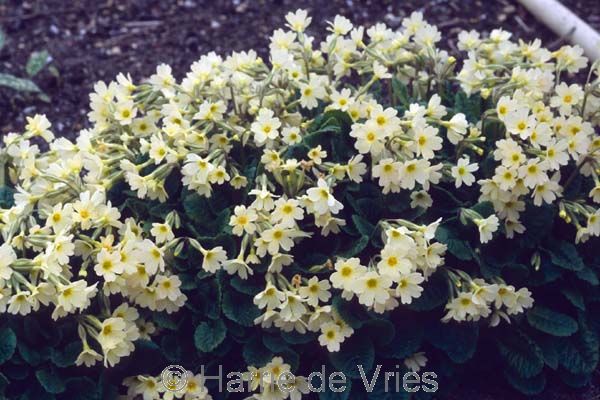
[{"x": 91, "y": 40}]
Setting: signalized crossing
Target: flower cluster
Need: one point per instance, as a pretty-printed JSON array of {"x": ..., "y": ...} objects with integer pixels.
[
  {"x": 154, "y": 388},
  {"x": 360, "y": 137},
  {"x": 66, "y": 244}
]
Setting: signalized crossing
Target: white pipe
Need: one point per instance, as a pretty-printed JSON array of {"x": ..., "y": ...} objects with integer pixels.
[{"x": 566, "y": 24}]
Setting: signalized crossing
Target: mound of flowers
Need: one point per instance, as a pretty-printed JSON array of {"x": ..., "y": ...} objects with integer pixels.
[{"x": 366, "y": 203}]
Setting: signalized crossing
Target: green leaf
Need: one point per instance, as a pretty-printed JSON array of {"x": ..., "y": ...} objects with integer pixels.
[
  {"x": 549, "y": 346},
  {"x": 291, "y": 357},
  {"x": 355, "y": 248},
  {"x": 579, "y": 353},
  {"x": 468, "y": 105},
  {"x": 239, "y": 308},
  {"x": 576, "y": 381},
  {"x": 587, "y": 274},
  {"x": 400, "y": 92},
  {"x": 295, "y": 337},
  {"x": 356, "y": 351},
  {"x": 351, "y": 312},
  {"x": 50, "y": 380},
  {"x": 457, "y": 340},
  {"x": 551, "y": 322},
  {"x": 82, "y": 389},
  {"x": 246, "y": 286},
  {"x": 164, "y": 320},
  {"x": 407, "y": 341},
  {"x": 37, "y": 61},
  {"x": 18, "y": 84},
  {"x": 275, "y": 343},
  {"x": 363, "y": 226},
  {"x": 435, "y": 294},
  {"x": 209, "y": 335},
  {"x": 456, "y": 246},
  {"x": 564, "y": 254},
  {"x": 68, "y": 355},
  {"x": 197, "y": 208},
  {"x": 331, "y": 395},
  {"x": 546, "y": 274},
  {"x": 539, "y": 222},
  {"x": 2, "y": 39},
  {"x": 3, "y": 384},
  {"x": 255, "y": 353},
  {"x": 521, "y": 354},
  {"x": 8, "y": 344},
  {"x": 381, "y": 331},
  {"x": 171, "y": 348},
  {"x": 6, "y": 197},
  {"x": 485, "y": 208},
  {"x": 574, "y": 296},
  {"x": 528, "y": 386}
]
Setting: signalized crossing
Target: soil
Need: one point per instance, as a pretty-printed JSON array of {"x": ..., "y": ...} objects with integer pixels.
[{"x": 92, "y": 40}]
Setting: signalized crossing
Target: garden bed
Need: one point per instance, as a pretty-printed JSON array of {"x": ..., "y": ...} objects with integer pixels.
[
  {"x": 95, "y": 40},
  {"x": 92, "y": 41}
]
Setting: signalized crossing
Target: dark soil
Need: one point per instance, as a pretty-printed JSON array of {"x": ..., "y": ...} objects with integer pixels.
[{"x": 92, "y": 40}]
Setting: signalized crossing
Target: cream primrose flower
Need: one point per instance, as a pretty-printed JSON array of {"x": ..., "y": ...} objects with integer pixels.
[
  {"x": 243, "y": 220},
  {"x": 315, "y": 291},
  {"x": 265, "y": 127},
  {"x": 213, "y": 259},
  {"x": 7, "y": 257},
  {"x": 487, "y": 226},
  {"x": 322, "y": 200},
  {"x": 331, "y": 337},
  {"x": 162, "y": 232},
  {"x": 409, "y": 287},
  {"x": 347, "y": 272},
  {"x": 372, "y": 288},
  {"x": 462, "y": 172}
]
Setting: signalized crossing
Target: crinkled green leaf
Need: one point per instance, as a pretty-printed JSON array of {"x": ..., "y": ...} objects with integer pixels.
[
  {"x": 209, "y": 335},
  {"x": 458, "y": 247},
  {"x": 575, "y": 297},
  {"x": 351, "y": 312},
  {"x": 275, "y": 343},
  {"x": 328, "y": 394},
  {"x": 355, "y": 247},
  {"x": 67, "y": 356},
  {"x": 6, "y": 197},
  {"x": 579, "y": 353},
  {"x": 435, "y": 294},
  {"x": 549, "y": 346},
  {"x": 354, "y": 352},
  {"x": 521, "y": 354},
  {"x": 255, "y": 353},
  {"x": 457, "y": 340},
  {"x": 406, "y": 342},
  {"x": 381, "y": 331},
  {"x": 8, "y": 344},
  {"x": 50, "y": 380},
  {"x": 528, "y": 386},
  {"x": 468, "y": 105},
  {"x": 363, "y": 226},
  {"x": 576, "y": 381},
  {"x": 239, "y": 308},
  {"x": 551, "y": 322},
  {"x": 564, "y": 254}
]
